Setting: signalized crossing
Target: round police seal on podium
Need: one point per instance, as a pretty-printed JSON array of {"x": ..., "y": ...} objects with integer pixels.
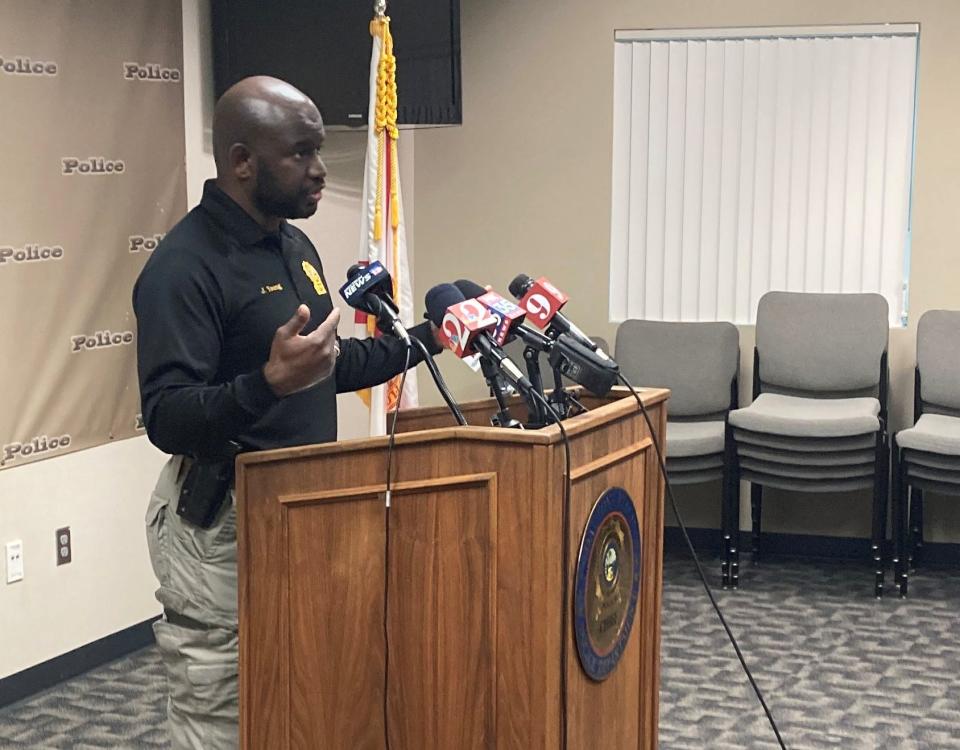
[{"x": 607, "y": 583}]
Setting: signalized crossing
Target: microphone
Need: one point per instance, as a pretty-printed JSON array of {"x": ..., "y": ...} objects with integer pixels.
[
  {"x": 510, "y": 326},
  {"x": 517, "y": 328},
  {"x": 369, "y": 289},
  {"x": 542, "y": 301},
  {"x": 595, "y": 373},
  {"x": 509, "y": 316},
  {"x": 582, "y": 365},
  {"x": 465, "y": 327}
]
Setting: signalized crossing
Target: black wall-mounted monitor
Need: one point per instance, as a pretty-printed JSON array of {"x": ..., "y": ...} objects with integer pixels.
[{"x": 323, "y": 48}]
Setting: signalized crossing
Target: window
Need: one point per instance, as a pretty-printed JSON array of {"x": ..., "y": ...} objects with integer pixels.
[{"x": 746, "y": 160}]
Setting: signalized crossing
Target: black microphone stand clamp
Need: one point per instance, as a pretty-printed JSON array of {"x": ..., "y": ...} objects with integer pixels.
[
  {"x": 562, "y": 401},
  {"x": 537, "y": 416},
  {"x": 502, "y": 418}
]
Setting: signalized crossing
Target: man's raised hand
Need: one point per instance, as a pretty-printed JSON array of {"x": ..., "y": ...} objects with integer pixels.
[{"x": 298, "y": 362}]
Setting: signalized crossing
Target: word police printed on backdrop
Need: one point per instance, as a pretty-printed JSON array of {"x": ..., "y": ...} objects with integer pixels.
[
  {"x": 39, "y": 444},
  {"x": 92, "y": 165},
  {"x": 134, "y": 71},
  {"x": 31, "y": 253},
  {"x": 140, "y": 242},
  {"x": 607, "y": 583},
  {"x": 102, "y": 117},
  {"x": 100, "y": 340},
  {"x": 24, "y": 66}
]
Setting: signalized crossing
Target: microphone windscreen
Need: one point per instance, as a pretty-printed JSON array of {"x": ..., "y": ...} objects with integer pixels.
[
  {"x": 438, "y": 299},
  {"x": 520, "y": 284},
  {"x": 354, "y": 270},
  {"x": 469, "y": 289}
]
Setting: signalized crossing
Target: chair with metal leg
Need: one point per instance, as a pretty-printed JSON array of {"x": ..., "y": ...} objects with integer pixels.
[
  {"x": 927, "y": 455},
  {"x": 818, "y": 418},
  {"x": 700, "y": 363}
]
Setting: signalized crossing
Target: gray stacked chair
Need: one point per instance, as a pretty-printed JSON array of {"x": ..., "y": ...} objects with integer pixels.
[
  {"x": 927, "y": 456},
  {"x": 818, "y": 418},
  {"x": 699, "y": 362}
]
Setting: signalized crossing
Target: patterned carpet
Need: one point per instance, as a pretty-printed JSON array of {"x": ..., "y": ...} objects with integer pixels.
[
  {"x": 120, "y": 705},
  {"x": 838, "y": 668}
]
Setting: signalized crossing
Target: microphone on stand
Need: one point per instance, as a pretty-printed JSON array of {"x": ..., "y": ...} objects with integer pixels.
[
  {"x": 509, "y": 326},
  {"x": 369, "y": 289},
  {"x": 465, "y": 327},
  {"x": 542, "y": 301},
  {"x": 591, "y": 369}
]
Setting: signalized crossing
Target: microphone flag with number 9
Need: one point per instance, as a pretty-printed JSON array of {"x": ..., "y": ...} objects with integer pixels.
[{"x": 542, "y": 301}]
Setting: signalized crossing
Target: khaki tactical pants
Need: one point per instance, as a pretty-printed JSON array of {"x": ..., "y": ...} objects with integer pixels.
[{"x": 197, "y": 571}]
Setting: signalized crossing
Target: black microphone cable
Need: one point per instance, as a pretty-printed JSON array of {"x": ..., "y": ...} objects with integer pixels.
[
  {"x": 386, "y": 557},
  {"x": 439, "y": 381},
  {"x": 696, "y": 560},
  {"x": 377, "y": 309}
]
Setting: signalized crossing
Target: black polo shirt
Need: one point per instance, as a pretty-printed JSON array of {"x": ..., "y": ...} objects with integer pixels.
[{"x": 208, "y": 303}]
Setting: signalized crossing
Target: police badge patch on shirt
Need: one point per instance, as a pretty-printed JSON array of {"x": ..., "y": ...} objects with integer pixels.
[{"x": 312, "y": 274}]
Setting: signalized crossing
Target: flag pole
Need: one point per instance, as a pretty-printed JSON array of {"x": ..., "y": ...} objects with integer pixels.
[{"x": 381, "y": 226}]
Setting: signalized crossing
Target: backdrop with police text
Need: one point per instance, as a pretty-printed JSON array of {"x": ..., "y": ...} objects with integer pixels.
[{"x": 93, "y": 174}]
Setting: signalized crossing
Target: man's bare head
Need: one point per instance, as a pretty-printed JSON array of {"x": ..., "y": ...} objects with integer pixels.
[
  {"x": 266, "y": 134},
  {"x": 255, "y": 108}
]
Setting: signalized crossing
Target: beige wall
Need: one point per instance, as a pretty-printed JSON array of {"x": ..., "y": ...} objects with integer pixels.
[
  {"x": 102, "y": 493},
  {"x": 524, "y": 184}
]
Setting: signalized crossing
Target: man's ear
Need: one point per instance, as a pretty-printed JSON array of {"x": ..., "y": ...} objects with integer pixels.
[{"x": 242, "y": 161}]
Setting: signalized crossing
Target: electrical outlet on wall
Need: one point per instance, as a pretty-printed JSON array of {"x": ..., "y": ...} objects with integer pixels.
[
  {"x": 14, "y": 561},
  {"x": 64, "y": 546}
]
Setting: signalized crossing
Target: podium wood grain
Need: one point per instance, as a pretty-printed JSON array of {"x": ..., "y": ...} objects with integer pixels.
[{"x": 441, "y": 621}]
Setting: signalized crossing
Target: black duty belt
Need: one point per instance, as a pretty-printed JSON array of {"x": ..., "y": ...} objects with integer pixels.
[{"x": 175, "y": 618}]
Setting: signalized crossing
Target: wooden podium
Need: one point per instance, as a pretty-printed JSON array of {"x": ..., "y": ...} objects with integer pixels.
[{"x": 441, "y": 621}]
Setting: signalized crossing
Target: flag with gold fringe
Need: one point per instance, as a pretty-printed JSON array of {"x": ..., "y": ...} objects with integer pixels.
[{"x": 382, "y": 235}]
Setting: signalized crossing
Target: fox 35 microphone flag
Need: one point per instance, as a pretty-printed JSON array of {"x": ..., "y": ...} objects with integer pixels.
[{"x": 382, "y": 235}]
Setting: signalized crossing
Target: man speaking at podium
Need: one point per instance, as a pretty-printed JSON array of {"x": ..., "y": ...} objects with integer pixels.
[{"x": 237, "y": 350}]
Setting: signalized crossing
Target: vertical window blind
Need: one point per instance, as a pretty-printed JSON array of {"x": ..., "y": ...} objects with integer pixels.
[{"x": 746, "y": 160}]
